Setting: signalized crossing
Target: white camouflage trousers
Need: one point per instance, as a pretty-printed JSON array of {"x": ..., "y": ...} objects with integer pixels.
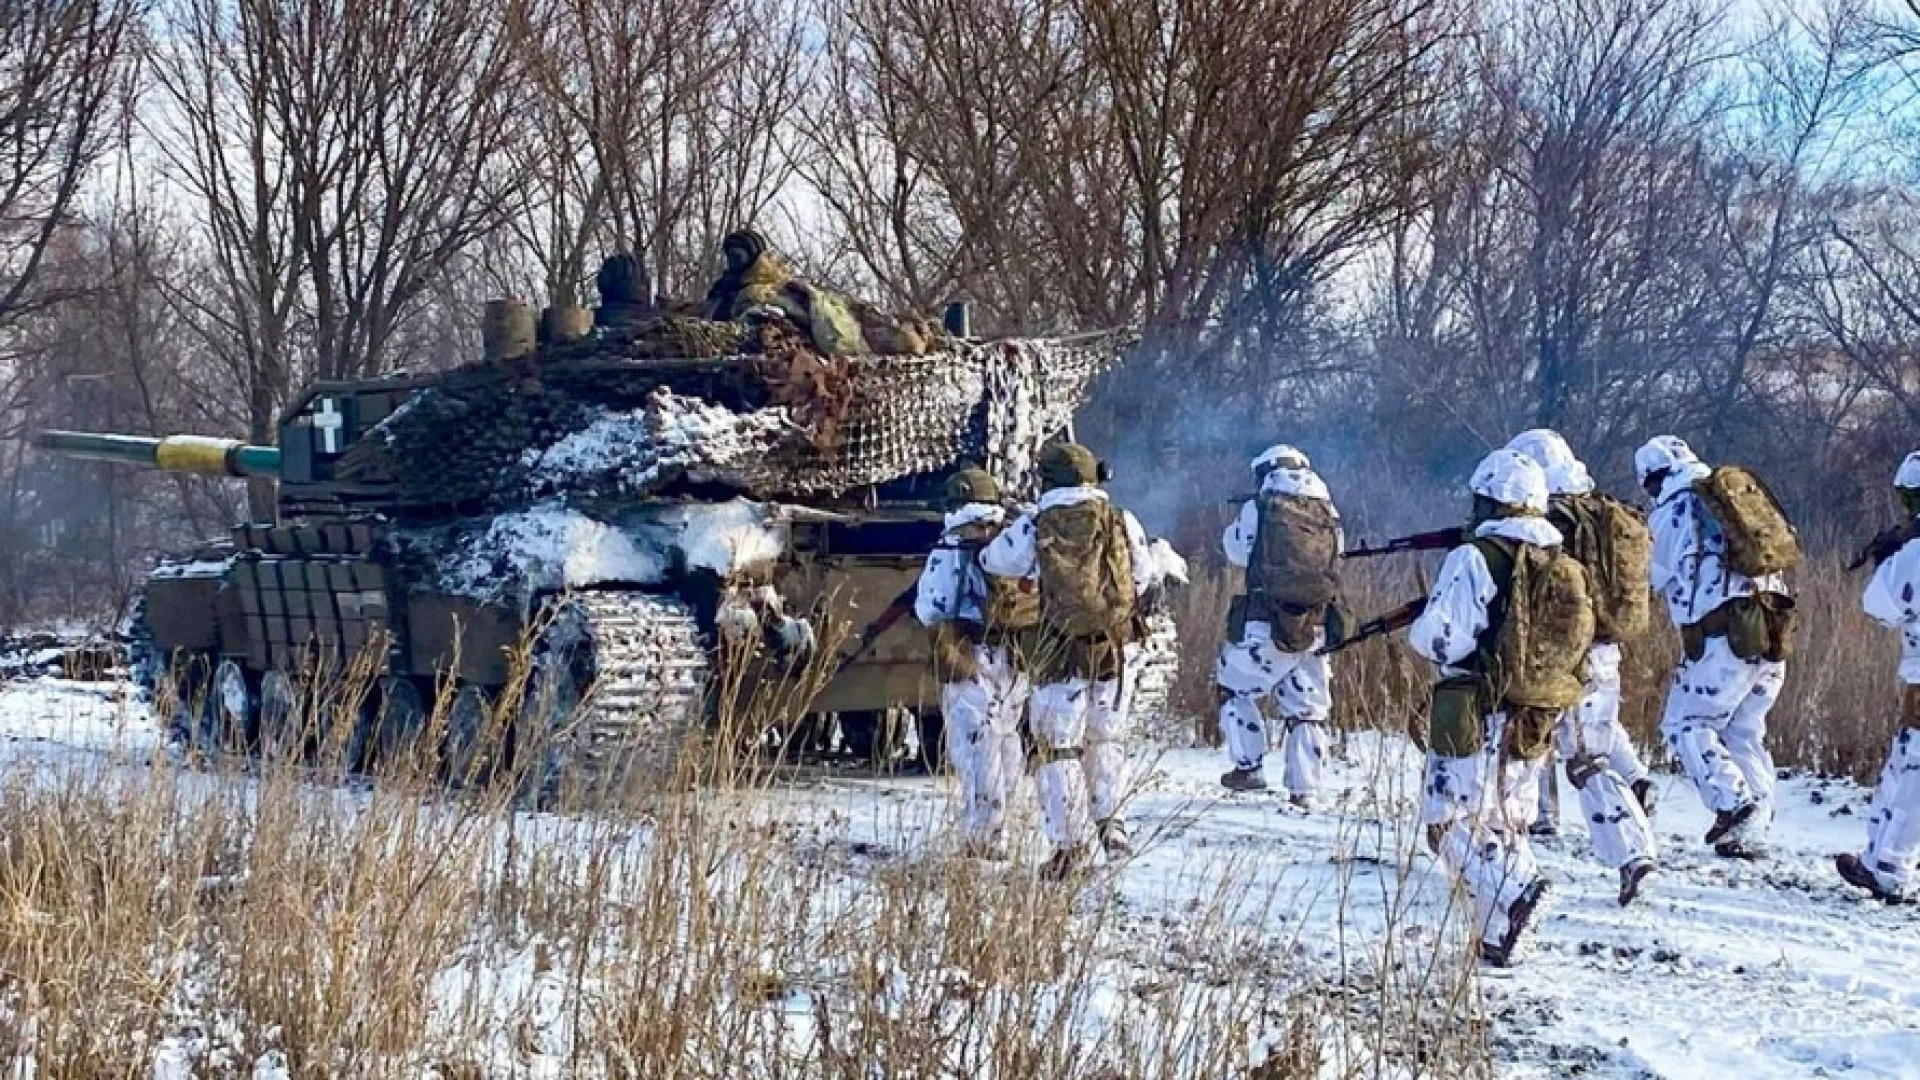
[
  {"x": 1078, "y": 790},
  {"x": 982, "y": 717},
  {"x": 1300, "y": 685},
  {"x": 1482, "y": 807},
  {"x": 1716, "y": 723},
  {"x": 1601, "y": 762},
  {"x": 1893, "y": 829}
]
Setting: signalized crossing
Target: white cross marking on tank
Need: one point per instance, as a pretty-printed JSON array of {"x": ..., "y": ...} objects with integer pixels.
[{"x": 328, "y": 419}]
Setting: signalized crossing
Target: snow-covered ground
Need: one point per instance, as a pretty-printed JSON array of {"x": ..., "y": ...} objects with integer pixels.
[{"x": 1727, "y": 970}]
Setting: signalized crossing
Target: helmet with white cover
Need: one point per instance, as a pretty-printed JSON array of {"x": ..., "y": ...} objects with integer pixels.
[
  {"x": 1663, "y": 453},
  {"x": 1566, "y": 474},
  {"x": 1280, "y": 456},
  {"x": 1512, "y": 480}
]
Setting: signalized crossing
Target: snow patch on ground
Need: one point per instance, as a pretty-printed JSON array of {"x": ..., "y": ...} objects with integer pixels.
[
  {"x": 84, "y": 715},
  {"x": 1760, "y": 971}
]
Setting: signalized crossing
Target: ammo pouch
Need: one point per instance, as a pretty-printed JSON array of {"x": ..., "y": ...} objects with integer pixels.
[
  {"x": 1758, "y": 627},
  {"x": 1529, "y": 732},
  {"x": 1456, "y": 723},
  {"x": 953, "y": 657},
  {"x": 1295, "y": 626}
]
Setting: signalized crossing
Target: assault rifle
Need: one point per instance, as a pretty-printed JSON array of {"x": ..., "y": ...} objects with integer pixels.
[
  {"x": 1884, "y": 546},
  {"x": 1437, "y": 540},
  {"x": 902, "y": 605},
  {"x": 1380, "y": 625}
]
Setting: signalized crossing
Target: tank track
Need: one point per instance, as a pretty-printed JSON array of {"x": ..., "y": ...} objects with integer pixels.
[
  {"x": 639, "y": 668},
  {"x": 1154, "y": 668}
]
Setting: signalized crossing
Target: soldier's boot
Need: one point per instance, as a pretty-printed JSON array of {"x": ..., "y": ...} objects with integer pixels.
[
  {"x": 1114, "y": 838},
  {"x": 1244, "y": 780},
  {"x": 1727, "y": 823},
  {"x": 1500, "y": 953},
  {"x": 1646, "y": 795},
  {"x": 1633, "y": 879},
  {"x": 1304, "y": 801},
  {"x": 1746, "y": 850},
  {"x": 1544, "y": 828},
  {"x": 1854, "y": 871},
  {"x": 1067, "y": 863}
]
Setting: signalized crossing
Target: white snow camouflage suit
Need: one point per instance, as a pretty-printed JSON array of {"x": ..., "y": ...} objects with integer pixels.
[
  {"x": 1481, "y": 805},
  {"x": 1599, "y": 755},
  {"x": 1254, "y": 668},
  {"x": 1075, "y": 713},
  {"x": 1893, "y": 829},
  {"x": 1716, "y": 712},
  {"x": 982, "y": 713}
]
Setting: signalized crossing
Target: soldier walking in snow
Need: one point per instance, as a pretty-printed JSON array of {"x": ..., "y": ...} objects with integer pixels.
[
  {"x": 1510, "y": 625},
  {"x": 1893, "y": 598},
  {"x": 1720, "y": 545},
  {"x": 1091, "y": 564},
  {"x": 974, "y": 621},
  {"x": 1288, "y": 539},
  {"x": 1609, "y": 539}
]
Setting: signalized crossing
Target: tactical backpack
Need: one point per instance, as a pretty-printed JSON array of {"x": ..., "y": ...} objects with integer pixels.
[
  {"x": 1085, "y": 569},
  {"x": 1760, "y": 539},
  {"x": 1540, "y": 631},
  {"x": 1290, "y": 577},
  {"x": 1611, "y": 540},
  {"x": 1010, "y": 604}
]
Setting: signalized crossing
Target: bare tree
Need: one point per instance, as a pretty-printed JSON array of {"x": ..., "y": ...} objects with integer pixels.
[
  {"x": 66, "y": 77},
  {"x": 661, "y": 129}
]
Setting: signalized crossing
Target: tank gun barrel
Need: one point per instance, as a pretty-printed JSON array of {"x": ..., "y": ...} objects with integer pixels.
[{"x": 175, "y": 453}]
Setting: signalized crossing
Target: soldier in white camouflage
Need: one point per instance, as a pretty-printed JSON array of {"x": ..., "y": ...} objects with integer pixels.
[
  {"x": 982, "y": 692},
  {"x": 1090, "y": 563},
  {"x": 1886, "y": 868},
  {"x": 1287, "y": 537}
]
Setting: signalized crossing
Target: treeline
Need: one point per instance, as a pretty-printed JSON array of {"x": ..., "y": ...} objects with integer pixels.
[{"x": 1392, "y": 231}]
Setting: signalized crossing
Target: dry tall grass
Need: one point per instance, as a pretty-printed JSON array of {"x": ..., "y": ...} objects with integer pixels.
[{"x": 223, "y": 920}]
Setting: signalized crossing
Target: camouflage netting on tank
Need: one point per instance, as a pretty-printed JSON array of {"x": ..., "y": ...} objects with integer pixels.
[{"x": 784, "y": 422}]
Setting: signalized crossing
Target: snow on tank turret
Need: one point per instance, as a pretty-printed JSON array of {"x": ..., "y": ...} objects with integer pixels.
[{"x": 638, "y": 488}]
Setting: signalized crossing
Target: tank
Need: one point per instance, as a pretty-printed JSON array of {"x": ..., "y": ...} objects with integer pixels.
[{"x": 672, "y": 511}]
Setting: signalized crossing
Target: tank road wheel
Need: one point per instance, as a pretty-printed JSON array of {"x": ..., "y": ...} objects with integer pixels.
[
  {"x": 187, "y": 683},
  {"x": 399, "y": 716},
  {"x": 469, "y": 752},
  {"x": 619, "y": 684},
  {"x": 279, "y": 713},
  {"x": 234, "y": 710}
]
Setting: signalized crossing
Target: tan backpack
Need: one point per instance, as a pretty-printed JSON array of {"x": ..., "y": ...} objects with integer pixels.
[
  {"x": 1542, "y": 626},
  {"x": 1611, "y": 540},
  {"x": 1085, "y": 570},
  {"x": 1294, "y": 553},
  {"x": 1760, "y": 539}
]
